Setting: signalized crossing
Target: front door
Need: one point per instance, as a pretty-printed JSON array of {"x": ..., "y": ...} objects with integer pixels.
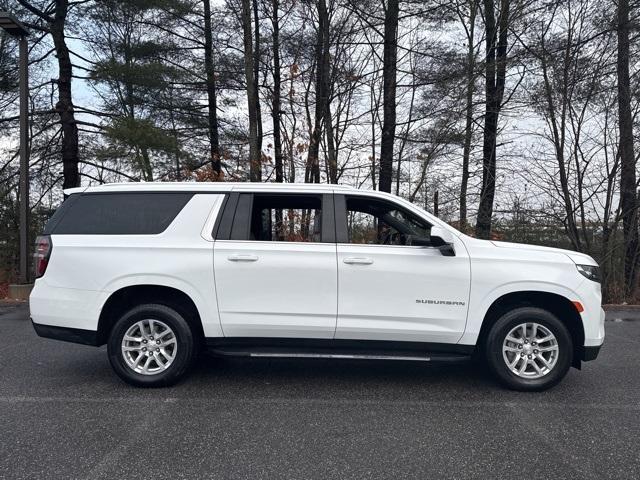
[
  {"x": 276, "y": 273},
  {"x": 389, "y": 289}
]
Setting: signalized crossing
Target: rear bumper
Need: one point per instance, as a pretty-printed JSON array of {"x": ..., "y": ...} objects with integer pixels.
[
  {"x": 66, "y": 334},
  {"x": 64, "y": 307}
]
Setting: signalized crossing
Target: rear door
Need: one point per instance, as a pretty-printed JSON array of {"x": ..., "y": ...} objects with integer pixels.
[
  {"x": 388, "y": 289},
  {"x": 275, "y": 266}
]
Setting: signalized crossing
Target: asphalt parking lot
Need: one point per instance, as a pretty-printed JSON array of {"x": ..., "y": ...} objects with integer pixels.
[{"x": 64, "y": 414}]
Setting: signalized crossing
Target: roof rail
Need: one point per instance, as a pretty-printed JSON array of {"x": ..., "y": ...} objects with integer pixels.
[
  {"x": 222, "y": 184},
  {"x": 210, "y": 186}
]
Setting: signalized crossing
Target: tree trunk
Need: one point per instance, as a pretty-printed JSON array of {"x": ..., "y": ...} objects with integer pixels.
[
  {"x": 374, "y": 105},
  {"x": 212, "y": 102},
  {"x": 64, "y": 106},
  {"x": 277, "y": 107},
  {"x": 628, "y": 200},
  {"x": 468, "y": 128},
  {"x": 332, "y": 156},
  {"x": 322, "y": 49},
  {"x": 390, "y": 58},
  {"x": 174, "y": 133},
  {"x": 147, "y": 169},
  {"x": 255, "y": 167},
  {"x": 256, "y": 77},
  {"x": 436, "y": 203},
  {"x": 494, "y": 88}
]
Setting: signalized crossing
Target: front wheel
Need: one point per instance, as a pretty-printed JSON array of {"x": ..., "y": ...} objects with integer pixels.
[
  {"x": 151, "y": 346},
  {"x": 529, "y": 349}
]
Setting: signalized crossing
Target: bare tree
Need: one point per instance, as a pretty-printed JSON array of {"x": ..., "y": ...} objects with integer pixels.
[
  {"x": 389, "y": 93},
  {"x": 255, "y": 161},
  {"x": 276, "y": 107},
  {"x": 53, "y": 19},
  {"x": 495, "y": 71},
  {"x": 212, "y": 102},
  {"x": 628, "y": 200},
  {"x": 257, "y": 55},
  {"x": 469, "y": 24},
  {"x": 322, "y": 75}
]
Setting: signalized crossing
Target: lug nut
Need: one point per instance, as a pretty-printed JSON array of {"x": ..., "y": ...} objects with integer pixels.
[
  {"x": 150, "y": 338},
  {"x": 157, "y": 349},
  {"x": 534, "y": 343},
  {"x": 535, "y": 351},
  {"x": 144, "y": 349},
  {"x": 522, "y": 354},
  {"x": 158, "y": 342},
  {"x": 526, "y": 341},
  {"x": 529, "y": 356},
  {"x": 520, "y": 347},
  {"x": 151, "y": 353},
  {"x": 144, "y": 341}
]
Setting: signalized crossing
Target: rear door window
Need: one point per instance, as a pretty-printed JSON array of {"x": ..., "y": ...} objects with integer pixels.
[
  {"x": 284, "y": 218},
  {"x": 132, "y": 213}
]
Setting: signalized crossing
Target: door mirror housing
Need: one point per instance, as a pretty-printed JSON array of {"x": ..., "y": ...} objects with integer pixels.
[
  {"x": 440, "y": 236},
  {"x": 418, "y": 241},
  {"x": 443, "y": 239}
]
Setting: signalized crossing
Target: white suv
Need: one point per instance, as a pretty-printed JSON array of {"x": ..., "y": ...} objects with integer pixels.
[{"x": 158, "y": 271}]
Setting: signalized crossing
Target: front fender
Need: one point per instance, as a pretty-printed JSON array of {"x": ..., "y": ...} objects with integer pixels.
[{"x": 480, "y": 304}]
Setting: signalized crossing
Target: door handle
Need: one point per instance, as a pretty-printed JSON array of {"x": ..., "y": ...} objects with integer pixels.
[
  {"x": 242, "y": 258},
  {"x": 358, "y": 260}
]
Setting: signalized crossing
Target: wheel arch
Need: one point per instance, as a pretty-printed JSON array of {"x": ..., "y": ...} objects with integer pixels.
[
  {"x": 125, "y": 298},
  {"x": 557, "y": 304}
]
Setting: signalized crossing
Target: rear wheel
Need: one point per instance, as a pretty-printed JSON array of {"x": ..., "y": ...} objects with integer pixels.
[
  {"x": 529, "y": 349},
  {"x": 151, "y": 346}
]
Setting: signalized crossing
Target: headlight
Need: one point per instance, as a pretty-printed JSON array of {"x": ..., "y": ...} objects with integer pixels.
[{"x": 590, "y": 271}]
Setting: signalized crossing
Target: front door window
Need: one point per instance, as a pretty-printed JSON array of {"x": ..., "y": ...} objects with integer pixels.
[{"x": 376, "y": 222}]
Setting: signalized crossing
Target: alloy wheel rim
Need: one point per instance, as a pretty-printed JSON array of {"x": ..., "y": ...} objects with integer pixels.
[
  {"x": 149, "y": 347},
  {"x": 530, "y": 350}
]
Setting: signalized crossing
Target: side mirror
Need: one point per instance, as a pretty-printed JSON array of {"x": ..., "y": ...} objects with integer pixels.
[
  {"x": 443, "y": 239},
  {"x": 440, "y": 236},
  {"x": 416, "y": 241}
]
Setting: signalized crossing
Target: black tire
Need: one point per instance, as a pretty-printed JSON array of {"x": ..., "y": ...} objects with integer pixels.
[
  {"x": 184, "y": 356},
  {"x": 498, "y": 333}
]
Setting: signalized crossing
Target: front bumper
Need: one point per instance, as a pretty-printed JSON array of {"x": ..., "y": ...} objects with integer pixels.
[
  {"x": 590, "y": 296},
  {"x": 594, "y": 336},
  {"x": 590, "y": 353}
]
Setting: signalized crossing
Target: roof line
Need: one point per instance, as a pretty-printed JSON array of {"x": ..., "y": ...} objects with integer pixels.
[{"x": 209, "y": 186}]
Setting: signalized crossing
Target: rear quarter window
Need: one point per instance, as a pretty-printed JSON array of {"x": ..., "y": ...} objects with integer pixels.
[{"x": 117, "y": 213}]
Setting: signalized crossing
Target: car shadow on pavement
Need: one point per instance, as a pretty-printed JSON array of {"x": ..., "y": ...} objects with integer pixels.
[{"x": 338, "y": 374}]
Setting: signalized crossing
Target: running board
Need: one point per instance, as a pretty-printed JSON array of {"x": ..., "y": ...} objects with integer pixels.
[
  {"x": 338, "y": 356},
  {"x": 274, "y": 353}
]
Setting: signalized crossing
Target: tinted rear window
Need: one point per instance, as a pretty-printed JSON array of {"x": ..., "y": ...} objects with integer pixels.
[{"x": 117, "y": 213}]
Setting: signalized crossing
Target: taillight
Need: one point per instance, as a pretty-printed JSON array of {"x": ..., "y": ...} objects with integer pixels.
[{"x": 42, "y": 254}]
